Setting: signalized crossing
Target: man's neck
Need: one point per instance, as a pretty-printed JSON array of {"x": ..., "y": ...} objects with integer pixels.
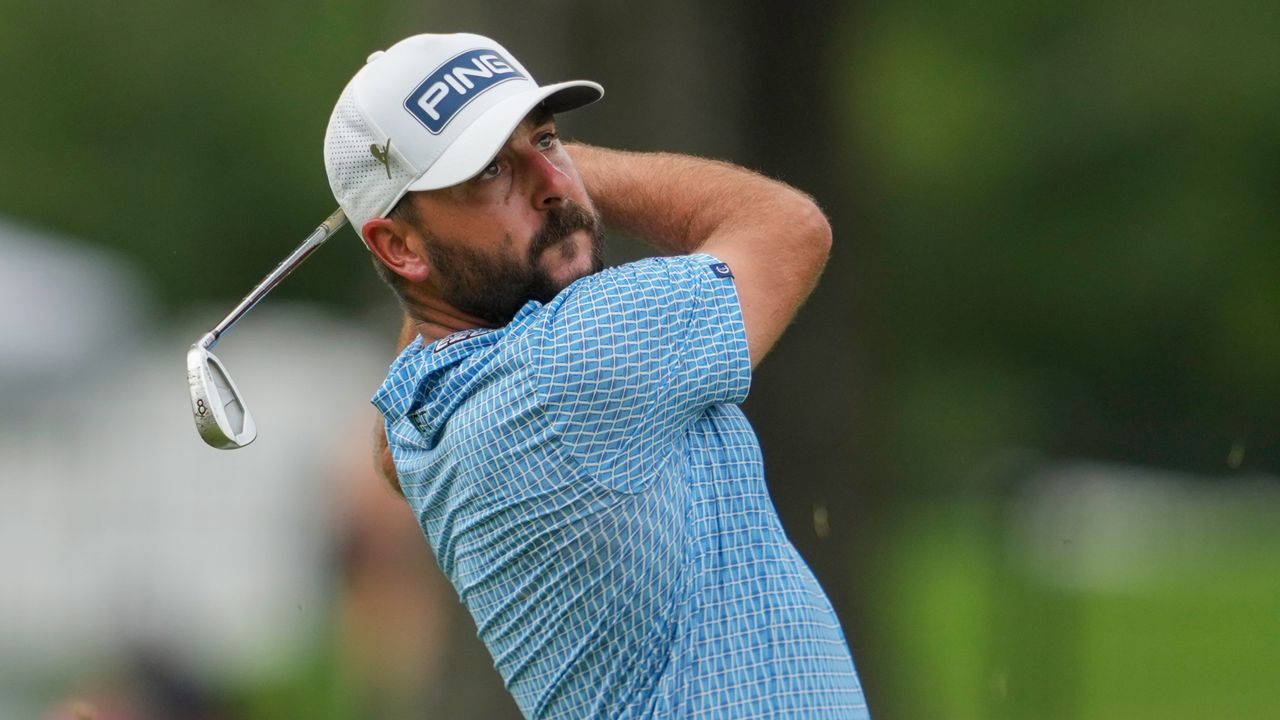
[{"x": 433, "y": 318}]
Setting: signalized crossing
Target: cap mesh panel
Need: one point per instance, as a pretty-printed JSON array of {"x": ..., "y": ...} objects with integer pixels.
[{"x": 357, "y": 177}]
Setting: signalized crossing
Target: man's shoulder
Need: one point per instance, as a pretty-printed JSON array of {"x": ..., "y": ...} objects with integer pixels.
[
  {"x": 658, "y": 273},
  {"x": 625, "y": 298}
]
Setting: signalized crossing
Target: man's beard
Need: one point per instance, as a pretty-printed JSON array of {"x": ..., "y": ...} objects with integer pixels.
[{"x": 495, "y": 288}]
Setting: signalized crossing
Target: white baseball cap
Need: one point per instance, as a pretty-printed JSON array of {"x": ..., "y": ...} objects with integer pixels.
[{"x": 429, "y": 112}]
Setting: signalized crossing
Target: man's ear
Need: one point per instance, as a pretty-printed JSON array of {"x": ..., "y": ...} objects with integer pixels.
[{"x": 391, "y": 241}]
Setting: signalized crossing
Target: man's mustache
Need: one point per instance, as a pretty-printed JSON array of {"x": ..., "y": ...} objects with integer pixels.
[{"x": 561, "y": 223}]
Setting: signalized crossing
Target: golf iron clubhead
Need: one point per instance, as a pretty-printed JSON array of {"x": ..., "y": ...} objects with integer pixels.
[{"x": 221, "y": 417}]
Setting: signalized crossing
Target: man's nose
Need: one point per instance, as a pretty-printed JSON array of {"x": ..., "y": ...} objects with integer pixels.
[{"x": 551, "y": 184}]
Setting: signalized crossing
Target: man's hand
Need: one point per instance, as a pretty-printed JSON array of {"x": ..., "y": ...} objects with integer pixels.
[
  {"x": 382, "y": 461},
  {"x": 773, "y": 237}
]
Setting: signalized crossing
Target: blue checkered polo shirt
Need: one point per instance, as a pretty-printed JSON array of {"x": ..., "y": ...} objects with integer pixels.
[{"x": 591, "y": 488}]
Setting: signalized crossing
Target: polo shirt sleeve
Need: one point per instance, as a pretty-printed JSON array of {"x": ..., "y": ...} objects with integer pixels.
[{"x": 632, "y": 356}]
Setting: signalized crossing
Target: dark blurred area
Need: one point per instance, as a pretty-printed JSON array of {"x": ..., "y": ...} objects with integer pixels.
[{"x": 1025, "y": 431}]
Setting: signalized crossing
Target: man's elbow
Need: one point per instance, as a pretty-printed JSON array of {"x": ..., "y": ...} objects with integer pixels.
[{"x": 813, "y": 231}]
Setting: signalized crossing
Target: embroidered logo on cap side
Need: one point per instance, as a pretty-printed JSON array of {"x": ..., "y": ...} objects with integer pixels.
[
  {"x": 450, "y": 87},
  {"x": 380, "y": 153}
]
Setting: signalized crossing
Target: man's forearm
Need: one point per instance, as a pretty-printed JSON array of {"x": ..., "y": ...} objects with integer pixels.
[
  {"x": 774, "y": 237},
  {"x": 675, "y": 202}
]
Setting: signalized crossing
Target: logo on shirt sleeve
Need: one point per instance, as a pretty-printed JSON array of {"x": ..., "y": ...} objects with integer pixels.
[{"x": 721, "y": 270}]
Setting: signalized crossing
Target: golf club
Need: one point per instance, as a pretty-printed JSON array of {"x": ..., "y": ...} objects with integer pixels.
[{"x": 222, "y": 419}]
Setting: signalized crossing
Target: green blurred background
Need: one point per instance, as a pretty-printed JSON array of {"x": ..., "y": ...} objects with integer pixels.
[{"x": 1025, "y": 431}]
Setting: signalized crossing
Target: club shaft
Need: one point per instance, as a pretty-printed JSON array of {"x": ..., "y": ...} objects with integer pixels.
[{"x": 331, "y": 225}]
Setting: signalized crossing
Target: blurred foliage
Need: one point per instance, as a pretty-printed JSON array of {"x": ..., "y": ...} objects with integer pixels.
[
  {"x": 1073, "y": 219},
  {"x": 185, "y": 134},
  {"x": 1075, "y": 213}
]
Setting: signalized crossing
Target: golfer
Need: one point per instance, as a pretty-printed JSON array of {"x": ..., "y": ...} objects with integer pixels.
[{"x": 569, "y": 436}]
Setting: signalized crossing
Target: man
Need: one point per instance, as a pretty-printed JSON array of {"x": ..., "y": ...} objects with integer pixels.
[{"x": 569, "y": 437}]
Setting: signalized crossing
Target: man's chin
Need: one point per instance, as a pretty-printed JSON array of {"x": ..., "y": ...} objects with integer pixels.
[{"x": 570, "y": 259}]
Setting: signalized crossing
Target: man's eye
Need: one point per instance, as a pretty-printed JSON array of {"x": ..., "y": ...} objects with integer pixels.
[
  {"x": 491, "y": 171},
  {"x": 548, "y": 141}
]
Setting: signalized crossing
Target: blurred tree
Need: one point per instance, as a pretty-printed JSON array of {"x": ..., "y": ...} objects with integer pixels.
[
  {"x": 1073, "y": 214},
  {"x": 1081, "y": 231}
]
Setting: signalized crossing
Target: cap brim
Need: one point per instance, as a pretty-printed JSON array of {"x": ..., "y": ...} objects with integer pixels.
[{"x": 479, "y": 143}]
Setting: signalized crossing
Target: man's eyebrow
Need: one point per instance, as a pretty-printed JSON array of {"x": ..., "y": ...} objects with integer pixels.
[{"x": 540, "y": 115}]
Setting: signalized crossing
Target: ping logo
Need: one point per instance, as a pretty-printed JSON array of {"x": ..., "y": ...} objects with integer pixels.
[{"x": 449, "y": 88}]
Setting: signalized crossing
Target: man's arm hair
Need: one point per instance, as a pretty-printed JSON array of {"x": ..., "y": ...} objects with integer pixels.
[
  {"x": 382, "y": 459},
  {"x": 773, "y": 237}
]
